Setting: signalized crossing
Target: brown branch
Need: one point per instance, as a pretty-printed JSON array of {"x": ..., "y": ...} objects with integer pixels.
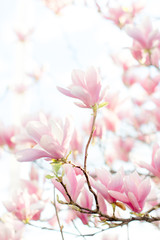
[
  {"x": 60, "y": 227},
  {"x": 88, "y": 183},
  {"x": 90, "y": 137}
]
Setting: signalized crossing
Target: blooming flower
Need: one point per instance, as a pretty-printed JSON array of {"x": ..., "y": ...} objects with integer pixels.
[
  {"x": 85, "y": 87},
  {"x": 154, "y": 167},
  {"x": 11, "y": 228},
  {"x": 52, "y": 140},
  {"x": 146, "y": 42},
  {"x": 108, "y": 182},
  {"x": 25, "y": 206},
  {"x": 121, "y": 15},
  {"x": 136, "y": 190},
  {"x": 72, "y": 183},
  {"x": 57, "y": 5}
]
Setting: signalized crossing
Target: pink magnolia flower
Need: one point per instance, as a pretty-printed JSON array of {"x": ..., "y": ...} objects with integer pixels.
[
  {"x": 85, "y": 200},
  {"x": 129, "y": 78},
  {"x": 21, "y": 88},
  {"x": 156, "y": 118},
  {"x": 146, "y": 42},
  {"x": 106, "y": 182},
  {"x": 111, "y": 120},
  {"x": 6, "y": 135},
  {"x": 122, "y": 15},
  {"x": 23, "y": 34},
  {"x": 99, "y": 128},
  {"x": 85, "y": 87},
  {"x": 37, "y": 73},
  {"x": 11, "y": 228},
  {"x": 76, "y": 143},
  {"x": 73, "y": 183},
  {"x": 57, "y": 5},
  {"x": 25, "y": 206},
  {"x": 123, "y": 147},
  {"x": 113, "y": 100},
  {"x": 53, "y": 140},
  {"x": 149, "y": 84},
  {"x": 154, "y": 167},
  {"x": 136, "y": 190}
]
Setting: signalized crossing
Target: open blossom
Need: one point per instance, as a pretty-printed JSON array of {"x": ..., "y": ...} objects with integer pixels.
[
  {"x": 122, "y": 15},
  {"x": 25, "y": 206},
  {"x": 11, "y": 228},
  {"x": 52, "y": 138},
  {"x": 86, "y": 86},
  {"x": 57, "y": 5},
  {"x": 73, "y": 184},
  {"x": 136, "y": 190},
  {"x": 106, "y": 182},
  {"x": 146, "y": 44},
  {"x": 154, "y": 167}
]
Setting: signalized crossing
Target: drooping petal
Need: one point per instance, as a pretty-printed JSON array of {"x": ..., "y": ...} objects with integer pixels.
[{"x": 28, "y": 155}]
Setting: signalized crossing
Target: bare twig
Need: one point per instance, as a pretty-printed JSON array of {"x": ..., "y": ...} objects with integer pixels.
[
  {"x": 90, "y": 137},
  {"x": 60, "y": 227}
]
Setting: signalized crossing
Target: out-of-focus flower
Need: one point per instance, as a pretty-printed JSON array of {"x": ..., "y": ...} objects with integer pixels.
[
  {"x": 6, "y": 134},
  {"x": 99, "y": 128},
  {"x": 57, "y": 5},
  {"x": 123, "y": 147},
  {"x": 149, "y": 84},
  {"x": 23, "y": 34},
  {"x": 25, "y": 206},
  {"x": 21, "y": 88},
  {"x": 136, "y": 190},
  {"x": 11, "y": 228},
  {"x": 53, "y": 140},
  {"x": 86, "y": 86},
  {"x": 37, "y": 73},
  {"x": 111, "y": 120},
  {"x": 76, "y": 143},
  {"x": 154, "y": 167},
  {"x": 122, "y": 15},
  {"x": 146, "y": 44}
]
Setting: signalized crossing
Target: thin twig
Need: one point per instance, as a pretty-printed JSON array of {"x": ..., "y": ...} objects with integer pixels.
[
  {"x": 60, "y": 227},
  {"x": 90, "y": 137},
  {"x": 78, "y": 230}
]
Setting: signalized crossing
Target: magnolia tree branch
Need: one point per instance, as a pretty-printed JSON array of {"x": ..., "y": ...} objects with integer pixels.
[
  {"x": 90, "y": 137},
  {"x": 88, "y": 183},
  {"x": 54, "y": 203},
  {"x": 111, "y": 221}
]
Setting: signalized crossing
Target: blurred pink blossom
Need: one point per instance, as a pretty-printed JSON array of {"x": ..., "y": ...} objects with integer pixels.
[
  {"x": 57, "y": 5},
  {"x": 11, "y": 228},
  {"x": 24, "y": 206},
  {"x": 146, "y": 44},
  {"x": 154, "y": 167},
  {"x": 53, "y": 140},
  {"x": 122, "y": 15}
]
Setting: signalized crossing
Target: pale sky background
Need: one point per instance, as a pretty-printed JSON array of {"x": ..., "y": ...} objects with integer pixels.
[{"x": 77, "y": 39}]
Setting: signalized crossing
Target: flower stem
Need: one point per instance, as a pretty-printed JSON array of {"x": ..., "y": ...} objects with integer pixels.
[{"x": 90, "y": 137}]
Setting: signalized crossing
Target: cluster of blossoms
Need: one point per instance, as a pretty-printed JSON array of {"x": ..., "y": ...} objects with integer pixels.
[{"x": 119, "y": 125}]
